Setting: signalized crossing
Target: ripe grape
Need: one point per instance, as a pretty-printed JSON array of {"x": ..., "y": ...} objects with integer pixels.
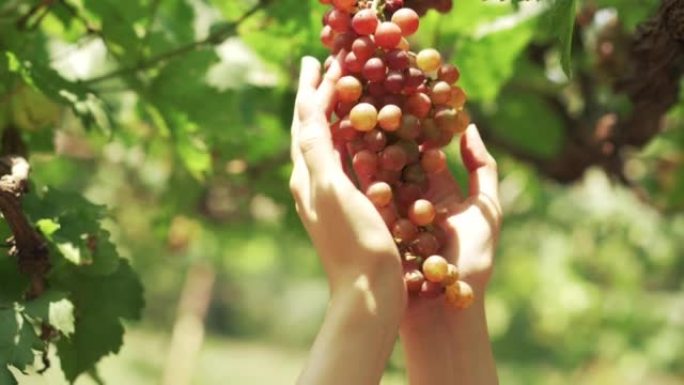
[
  {"x": 429, "y": 60},
  {"x": 387, "y": 35},
  {"x": 375, "y": 140},
  {"x": 404, "y": 231},
  {"x": 435, "y": 268},
  {"x": 339, "y": 20},
  {"x": 365, "y": 22},
  {"x": 349, "y": 89},
  {"x": 407, "y": 20},
  {"x": 393, "y": 158},
  {"x": 440, "y": 92},
  {"x": 374, "y": 70},
  {"x": 365, "y": 163},
  {"x": 422, "y": 212},
  {"x": 394, "y": 111},
  {"x": 425, "y": 244},
  {"x": 363, "y": 47},
  {"x": 363, "y": 117},
  {"x": 380, "y": 193},
  {"x": 433, "y": 160},
  {"x": 448, "y": 73},
  {"x": 390, "y": 117}
]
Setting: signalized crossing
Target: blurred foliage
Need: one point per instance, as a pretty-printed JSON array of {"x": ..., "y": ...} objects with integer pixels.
[{"x": 175, "y": 114}]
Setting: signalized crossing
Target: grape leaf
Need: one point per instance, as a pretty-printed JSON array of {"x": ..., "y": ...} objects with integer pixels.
[
  {"x": 55, "y": 308},
  {"x": 483, "y": 77},
  {"x": 561, "y": 18},
  {"x": 17, "y": 338},
  {"x": 102, "y": 302},
  {"x": 12, "y": 283}
]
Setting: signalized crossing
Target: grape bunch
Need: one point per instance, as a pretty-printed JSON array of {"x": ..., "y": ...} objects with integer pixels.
[{"x": 395, "y": 109}]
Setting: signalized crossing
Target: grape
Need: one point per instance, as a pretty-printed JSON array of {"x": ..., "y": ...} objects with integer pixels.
[
  {"x": 375, "y": 140},
  {"x": 394, "y": 112},
  {"x": 374, "y": 70},
  {"x": 412, "y": 150},
  {"x": 407, "y": 193},
  {"x": 419, "y": 105},
  {"x": 390, "y": 117},
  {"x": 376, "y": 90},
  {"x": 363, "y": 117},
  {"x": 422, "y": 212},
  {"x": 363, "y": 47},
  {"x": 409, "y": 128},
  {"x": 425, "y": 244},
  {"x": 404, "y": 231},
  {"x": 431, "y": 289},
  {"x": 345, "y": 5},
  {"x": 365, "y": 162},
  {"x": 390, "y": 177},
  {"x": 343, "y": 130},
  {"x": 435, "y": 269},
  {"x": 414, "y": 77},
  {"x": 414, "y": 280},
  {"x": 446, "y": 119},
  {"x": 343, "y": 41},
  {"x": 394, "y": 82},
  {"x": 380, "y": 193},
  {"x": 365, "y": 22},
  {"x": 460, "y": 295},
  {"x": 440, "y": 92},
  {"x": 433, "y": 161},
  {"x": 327, "y": 36},
  {"x": 451, "y": 276},
  {"x": 349, "y": 89},
  {"x": 429, "y": 60},
  {"x": 414, "y": 174},
  {"x": 407, "y": 20},
  {"x": 457, "y": 98},
  {"x": 339, "y": 20},
  {"x": 387, "y": 35},
  {"x": 397, "y": 60},
  {"x": 448, "y": 73},
  {"x": 393, "y": 158}
]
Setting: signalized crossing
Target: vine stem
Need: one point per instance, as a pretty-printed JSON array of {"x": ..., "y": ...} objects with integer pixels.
[
  {"x": 376, "y": 4},
  {"x": 215, "y": 38}
]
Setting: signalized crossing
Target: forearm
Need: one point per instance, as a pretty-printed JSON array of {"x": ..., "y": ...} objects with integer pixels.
[
  {"x": 356, "y": 338},
  {"x": 449, "y": 347}
]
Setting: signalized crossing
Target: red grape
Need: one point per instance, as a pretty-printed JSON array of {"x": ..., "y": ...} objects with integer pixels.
[
  {"x": 387, "y": 35},
  {"x": 407, "y": 20}
]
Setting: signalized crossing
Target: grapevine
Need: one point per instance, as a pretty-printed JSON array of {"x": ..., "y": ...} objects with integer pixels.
[{"x": 395, "y": 111}]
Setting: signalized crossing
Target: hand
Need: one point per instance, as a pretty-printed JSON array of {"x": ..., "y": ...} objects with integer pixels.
[
  {"x": 445, "y": 345},
  {"x": 348, "y": 233},
  {"x": 355, "y": 247}
]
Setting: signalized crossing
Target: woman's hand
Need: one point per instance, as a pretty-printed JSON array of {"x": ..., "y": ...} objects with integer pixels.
[
  {"x": 444, "y": 345},
  {"x": 355, "y": 247}
]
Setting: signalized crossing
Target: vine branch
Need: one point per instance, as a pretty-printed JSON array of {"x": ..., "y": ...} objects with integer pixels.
[
  {"x": 214, "y": 38},
  {"x": 27, "y": 245}
]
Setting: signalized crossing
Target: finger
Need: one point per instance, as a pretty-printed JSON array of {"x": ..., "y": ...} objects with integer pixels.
[
  {"x": 309, "y": 78},
  {"x": 314, "y": 138},
  {"x": 326, "y": 91},
  {"x": 480, "y": 164}
]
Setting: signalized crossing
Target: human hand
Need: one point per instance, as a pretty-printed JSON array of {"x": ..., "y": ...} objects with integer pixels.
[
  {"x": 444, "y": 345},
  {"x": 355, "y": 247},
  {"x": 347, "y": 231}
]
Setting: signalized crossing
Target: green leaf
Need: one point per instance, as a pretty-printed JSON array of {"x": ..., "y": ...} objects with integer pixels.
[
  {"x": 13, "y": 284},
  {"x": 487, "y": 63},
  {"x": 101, "y": 303},
  {"x": 17, "y": 339},
  {"x": 562, "y": 21},
  {"x": 55, "y": 308}
]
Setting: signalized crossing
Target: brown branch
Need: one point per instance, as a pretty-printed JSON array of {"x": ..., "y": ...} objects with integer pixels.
[
  {"x": 27, "y": 245},
  {"x": 214, "y": 38},
  {"x": 652, "y": 84}
]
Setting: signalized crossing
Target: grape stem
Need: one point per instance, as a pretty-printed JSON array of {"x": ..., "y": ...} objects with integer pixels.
[{"x": 376, "y": 4}]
